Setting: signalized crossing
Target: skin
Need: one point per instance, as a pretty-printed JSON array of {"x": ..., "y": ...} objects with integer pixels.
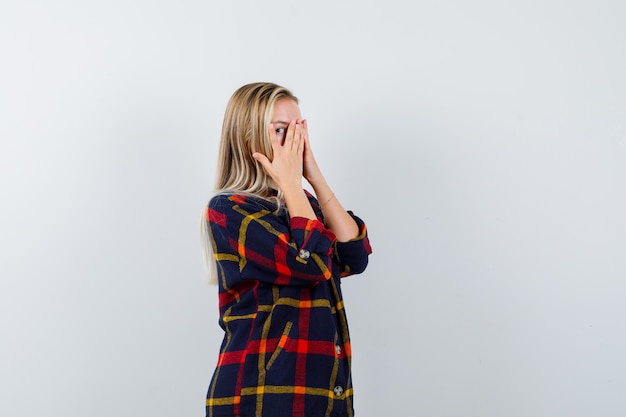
[{"x": 293, "y": 159}]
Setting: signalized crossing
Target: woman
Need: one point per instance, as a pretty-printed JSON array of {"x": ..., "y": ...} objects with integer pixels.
[{"x": 278, "y": 256}]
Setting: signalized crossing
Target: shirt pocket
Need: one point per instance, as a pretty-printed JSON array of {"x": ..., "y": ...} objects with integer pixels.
[{"x": 280, "y": 346}]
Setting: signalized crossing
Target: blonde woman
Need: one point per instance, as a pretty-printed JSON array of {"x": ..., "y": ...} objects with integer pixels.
[{"x": 278, "y": 254}]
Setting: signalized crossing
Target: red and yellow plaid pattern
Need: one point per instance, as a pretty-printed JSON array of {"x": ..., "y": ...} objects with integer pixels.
[{"x": 286, "y": 349}]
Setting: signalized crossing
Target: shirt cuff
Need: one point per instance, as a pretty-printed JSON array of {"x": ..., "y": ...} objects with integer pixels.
[{"x": 311, "y": 236}]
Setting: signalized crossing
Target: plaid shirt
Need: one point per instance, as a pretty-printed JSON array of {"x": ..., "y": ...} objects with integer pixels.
[{"x": 286, "y": 349}]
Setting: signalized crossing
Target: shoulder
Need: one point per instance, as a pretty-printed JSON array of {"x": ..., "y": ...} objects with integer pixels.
[
  {"x": 226, "y": 201},
  {"x": 221, "y": 200}
]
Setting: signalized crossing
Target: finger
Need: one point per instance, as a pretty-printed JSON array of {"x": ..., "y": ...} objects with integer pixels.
[
  {"x": 299, "y": 139},
  {"x": 309, "y": 156},
  {"x": 264, "y": 161},
  {"x": 305, "y": 129},
  {"x": 291, "y": 130}
]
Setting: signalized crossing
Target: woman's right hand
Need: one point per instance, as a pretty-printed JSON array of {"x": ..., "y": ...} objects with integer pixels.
[{"x": 286, "y": 166}]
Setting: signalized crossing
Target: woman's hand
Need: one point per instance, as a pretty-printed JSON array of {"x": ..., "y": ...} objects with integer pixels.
[
  {"x": 286, "y": 168},
  {"x": 287, "y": 165},
  {"x": 311, "y": 170}
]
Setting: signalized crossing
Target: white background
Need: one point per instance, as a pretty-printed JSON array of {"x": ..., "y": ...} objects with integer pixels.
[{"x": 483, "y": 142}]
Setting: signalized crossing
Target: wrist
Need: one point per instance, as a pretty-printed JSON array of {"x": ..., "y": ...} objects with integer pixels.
[
  {"x": 317, "y": 182},
  {"x": 323, "y": 204},
  {"x": 297, "y": 202},
  {"x": 291, "y": 189},
  {"x": 312, "y": 173}
]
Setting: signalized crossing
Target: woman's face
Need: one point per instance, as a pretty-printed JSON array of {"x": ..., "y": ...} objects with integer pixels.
[{"x": 285, "y": 110}]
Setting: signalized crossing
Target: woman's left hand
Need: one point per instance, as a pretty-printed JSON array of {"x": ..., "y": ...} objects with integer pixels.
[{"x": 311, "y": 170}]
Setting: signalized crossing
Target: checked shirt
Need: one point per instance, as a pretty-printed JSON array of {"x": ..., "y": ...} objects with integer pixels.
[{"x": 286, "y": 348}]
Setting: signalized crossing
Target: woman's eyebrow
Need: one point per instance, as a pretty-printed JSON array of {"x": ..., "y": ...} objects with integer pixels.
[{"x": 280, "y": 122}]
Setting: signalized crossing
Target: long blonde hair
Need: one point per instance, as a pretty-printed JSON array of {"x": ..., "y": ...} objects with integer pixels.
[{"x": 244, "y": 131}]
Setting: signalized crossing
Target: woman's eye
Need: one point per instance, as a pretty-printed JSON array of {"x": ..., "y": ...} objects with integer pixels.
[{"x": 280, "y": 130}]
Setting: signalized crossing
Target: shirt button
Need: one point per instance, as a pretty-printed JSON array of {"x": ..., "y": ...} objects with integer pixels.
[
  {"x": 304, "y": 254},
  {"x": 338, "y": 391},
  {"x": 338, "y": 349}
]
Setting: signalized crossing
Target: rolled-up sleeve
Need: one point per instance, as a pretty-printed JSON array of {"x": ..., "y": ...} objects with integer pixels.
[
  {"x": 352, "y": 256},
  {"x": 266, "y": 246}
]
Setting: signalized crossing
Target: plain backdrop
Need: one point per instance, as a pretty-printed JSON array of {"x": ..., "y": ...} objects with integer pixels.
[{"x": 483, "y": 142}]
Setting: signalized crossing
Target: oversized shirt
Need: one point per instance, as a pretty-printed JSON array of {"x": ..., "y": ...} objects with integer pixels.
[{"x": 286, "y": 349}]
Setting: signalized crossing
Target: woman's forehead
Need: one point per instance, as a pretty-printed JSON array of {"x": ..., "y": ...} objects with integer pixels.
[{"x": 286, "y": 110}]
